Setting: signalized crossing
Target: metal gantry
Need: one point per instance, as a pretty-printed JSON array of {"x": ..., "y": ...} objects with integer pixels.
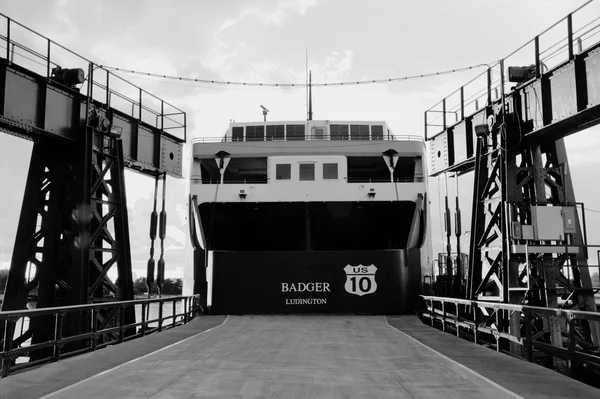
[
  {"x": 87, "y": 126},
  {"x": 528, "y": 241}
]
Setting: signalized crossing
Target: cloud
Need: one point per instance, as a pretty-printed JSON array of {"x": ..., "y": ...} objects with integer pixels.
[
  {"x": 267, "y": 14},
  {"x": 63, "y": 17}
]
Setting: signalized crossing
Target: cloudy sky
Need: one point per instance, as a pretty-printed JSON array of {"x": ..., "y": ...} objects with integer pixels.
[{"x": 267, "y": 41}]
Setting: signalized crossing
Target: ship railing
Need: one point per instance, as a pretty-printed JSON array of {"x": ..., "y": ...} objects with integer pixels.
[
  {"x": 29, "y": 49},
  {"x": 415, "y": 179},
  {"x": 556, "y": 45},
  {"x": 229, "y": 139},
  {"x": 154, "y": 314},
  {"x": 481, "y": 321},
  {"x": 238, "y": 181}
]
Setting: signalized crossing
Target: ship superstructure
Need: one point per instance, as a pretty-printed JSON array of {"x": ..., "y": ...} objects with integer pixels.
[{"x": 304, "y": 195}]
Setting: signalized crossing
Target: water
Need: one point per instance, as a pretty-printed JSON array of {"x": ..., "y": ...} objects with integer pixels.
[{"x": 152, "y": 313}]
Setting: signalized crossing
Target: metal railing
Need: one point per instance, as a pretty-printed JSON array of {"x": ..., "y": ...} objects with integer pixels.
[
  {"x": 229, "y": 139},
  {"x": 415, "y": 179},
  {"x": 556, "y": 45},
  {"x": 482, "y": 317},
  {"x": 34, "y": 51},
  {"x": 419, "y": 178},
  {"x": 179, "y": 310}
]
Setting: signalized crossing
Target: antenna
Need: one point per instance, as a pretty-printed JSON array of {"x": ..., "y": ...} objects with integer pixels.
[
  {"x": 265, "y": 111},
  {"x": 306, "y": 78},
  {"x": 310, "y": 96}
]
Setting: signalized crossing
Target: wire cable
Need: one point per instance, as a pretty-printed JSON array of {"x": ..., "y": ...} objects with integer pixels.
[{"x": 302, "y": 85}]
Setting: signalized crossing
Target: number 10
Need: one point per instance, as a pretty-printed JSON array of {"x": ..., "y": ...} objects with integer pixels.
[{"x": 364, "y": 284}]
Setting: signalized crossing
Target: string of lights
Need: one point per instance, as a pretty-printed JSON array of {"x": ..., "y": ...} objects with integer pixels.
[{"x": 302, "y": 85}]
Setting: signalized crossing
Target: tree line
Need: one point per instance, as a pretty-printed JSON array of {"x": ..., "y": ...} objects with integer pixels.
[{"x": 172, "y": 286}]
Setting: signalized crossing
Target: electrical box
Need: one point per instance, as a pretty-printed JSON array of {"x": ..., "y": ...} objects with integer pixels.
[
  {"x": 548, "y": 223},
  {"x": 522, "y": 231},
  {"x": 527, "y": 232},
  {"x": 570, "y": 219},
  {"x": 517, "y": 233}
]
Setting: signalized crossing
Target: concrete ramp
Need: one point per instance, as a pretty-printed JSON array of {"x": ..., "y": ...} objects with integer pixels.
[
  {"x": 295, "y": 356},
  {"x": 291, "y": 357}
]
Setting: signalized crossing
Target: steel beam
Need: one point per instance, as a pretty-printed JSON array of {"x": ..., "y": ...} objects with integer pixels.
[
  {"x": 558, "y": 103},
  {"x": 34, "y": 108}
]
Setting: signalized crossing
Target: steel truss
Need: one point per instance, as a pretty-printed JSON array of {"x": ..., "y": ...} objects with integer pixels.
[
  {"x": 72, "y": 231},
  {"x": 514, "y": 177},
  {"x": 73, "y": 226}
]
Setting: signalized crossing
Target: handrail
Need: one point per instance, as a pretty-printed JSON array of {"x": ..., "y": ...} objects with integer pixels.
[
  {"x": 96, "y": 337},
  {"x": 229, "y": 139},
  {"x": 47, "y": 63},
  {"x": 577, "y": 314},
  {"x": 5, "y": 315},
  {"x": 467, "y": 315},
  {"x": 418, "y": 178}
]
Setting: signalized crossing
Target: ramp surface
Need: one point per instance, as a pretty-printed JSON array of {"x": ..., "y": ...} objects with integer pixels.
[{"x": 291, "y": 357}]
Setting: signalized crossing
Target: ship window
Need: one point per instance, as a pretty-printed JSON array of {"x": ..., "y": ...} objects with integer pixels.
[
  {"x": 367, "y": 169},
  {"x": 237, "y": 133},
  {"x": 330, "y": 171},
  {"x": 359, "y": 132},
  {"x": 364, "y": 132},
  {"x": 255, "y": 133},
  {"x": 295, "y": 132},
  {"x": 275, "y": 132},
  {"x": 319, "y": 133},
  {"x": 307, "y": 171},
  {"x": 246, "y": 170},
  {"x": 338, "y": 132},
  {"x": 283, "y": 171},
  {"x": 377, "y": 132}
]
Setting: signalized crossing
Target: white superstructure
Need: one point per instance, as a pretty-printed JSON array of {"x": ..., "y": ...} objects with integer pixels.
[{"x": 336, "y": 161}]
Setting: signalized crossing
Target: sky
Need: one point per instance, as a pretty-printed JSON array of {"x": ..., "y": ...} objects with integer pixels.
[{"x": 274, "y": 42}]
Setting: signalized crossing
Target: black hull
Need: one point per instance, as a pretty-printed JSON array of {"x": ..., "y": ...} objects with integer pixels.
[
  {"x": 307, "y": 226},
  {"x": 292, "y": 282}
]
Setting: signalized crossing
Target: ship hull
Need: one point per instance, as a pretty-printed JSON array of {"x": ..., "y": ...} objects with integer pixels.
[
  {"x": 290, "y": 282},
  {"x": 308, "y": 226}
]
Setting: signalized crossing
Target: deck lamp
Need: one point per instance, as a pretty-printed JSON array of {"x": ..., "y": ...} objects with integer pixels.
[
  {"x": 68, "y": 77},
  {"x": 521, "y": 74}
]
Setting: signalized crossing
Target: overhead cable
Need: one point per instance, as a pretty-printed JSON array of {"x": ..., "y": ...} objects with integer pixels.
[{"x": 348, "y": 83}]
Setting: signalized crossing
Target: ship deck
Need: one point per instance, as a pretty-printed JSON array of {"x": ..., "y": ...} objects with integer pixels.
[{"x": 295, "y": 357}]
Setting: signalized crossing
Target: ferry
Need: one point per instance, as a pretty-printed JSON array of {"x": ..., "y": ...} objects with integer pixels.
[{"x": 312, "y": 216}]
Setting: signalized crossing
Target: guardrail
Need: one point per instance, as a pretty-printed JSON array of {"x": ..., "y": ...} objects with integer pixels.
[
  {"x": 554, "y": 46},
  {"x": 57, "y": 346},
  {"x": 491, "y": 318},
  {"x": 228, "y": 139},
  {"x": 416, "y": 179},
  {"x": 34, "y": 51}
]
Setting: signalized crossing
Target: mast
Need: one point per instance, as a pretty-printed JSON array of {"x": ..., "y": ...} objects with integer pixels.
[
  {"x": 310, "y": 96},
  {"x": 306, "y": 81}
]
